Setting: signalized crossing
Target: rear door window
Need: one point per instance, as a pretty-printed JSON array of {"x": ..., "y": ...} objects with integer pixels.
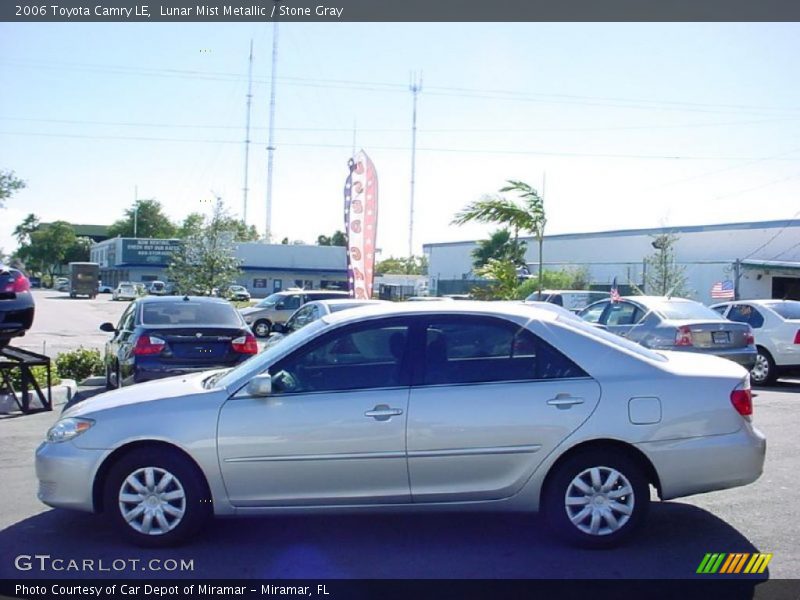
[
  {"x": 468, "y": 349},
  {"x": 745, "y": 313}
]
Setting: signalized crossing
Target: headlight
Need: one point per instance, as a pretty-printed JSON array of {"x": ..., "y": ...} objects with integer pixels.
[{"x": 66, "y": 429}]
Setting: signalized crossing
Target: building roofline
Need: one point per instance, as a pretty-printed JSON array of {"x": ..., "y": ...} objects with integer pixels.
[{"x": 648, "y": 231}]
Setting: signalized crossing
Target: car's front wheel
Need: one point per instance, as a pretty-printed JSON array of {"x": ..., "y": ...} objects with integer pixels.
[
  {"x": 262, "y": 328},
  {"x": 596, "y": 499},
  {"x": 764, "y": 372},
  {"x": 156, "y": 498}
]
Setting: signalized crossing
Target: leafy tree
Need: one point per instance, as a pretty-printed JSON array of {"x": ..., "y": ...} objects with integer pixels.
[
  {"x": 412, "y": 265},
  {"x": 664, "y": 276},
  {"x": 206, "y": 259},
  {"x": 48, "y": 247},
  {"x": 191, "y": 224},
  {"x": 24, "y": 230},
  {"x": 499, "y": 246},
  {"x": 565, "y": 279},
  {"x": 503, "y": 275},
  {"x": 151, "y": 222},
  {"x": 524, "y": 215},
  {"x": 337, "y": 239},
  {"x": 9, "y": 184},
  {"x": 80, "y": 251}
]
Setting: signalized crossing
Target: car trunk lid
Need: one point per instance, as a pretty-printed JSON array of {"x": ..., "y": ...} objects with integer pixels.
[{"x": 715, "y": 334}]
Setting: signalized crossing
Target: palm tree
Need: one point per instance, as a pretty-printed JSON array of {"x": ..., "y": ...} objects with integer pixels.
[{"x": 524, "y": 215}]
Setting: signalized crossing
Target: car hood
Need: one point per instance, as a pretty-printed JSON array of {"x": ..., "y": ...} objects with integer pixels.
[
  {"x": 250, "y": 310},
  {"x": 152, "y": 391}
]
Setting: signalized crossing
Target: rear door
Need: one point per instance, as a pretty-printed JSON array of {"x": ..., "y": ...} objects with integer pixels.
[{"x": 491, "y": 400}]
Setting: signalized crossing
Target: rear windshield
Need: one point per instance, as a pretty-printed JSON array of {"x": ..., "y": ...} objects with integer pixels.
[
  {"x": 614, "y": 339},
  {"x": 182, "y": 313},
  {"x": 788, "y": 310},
  {"x": 685, "y": 311}
]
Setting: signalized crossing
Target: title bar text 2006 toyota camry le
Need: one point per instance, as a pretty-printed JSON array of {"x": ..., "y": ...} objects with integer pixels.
[{"x": 474, "y": 406}]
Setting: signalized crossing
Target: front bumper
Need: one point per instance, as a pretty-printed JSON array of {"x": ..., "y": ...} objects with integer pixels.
[
  {"x": 66, "y": 475},
  {"x": 704, "y": 464}
]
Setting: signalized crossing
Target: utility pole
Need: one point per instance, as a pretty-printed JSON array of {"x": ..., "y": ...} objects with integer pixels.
[
  {"x": 271, "y": 142},
  {"x": 415, "y": 87},
  {"x": 135, "y": 210},
  {"x": 247, "y": 134}
]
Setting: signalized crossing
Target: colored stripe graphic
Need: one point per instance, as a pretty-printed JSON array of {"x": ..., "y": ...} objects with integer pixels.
[{"x": 732, "y": 564}]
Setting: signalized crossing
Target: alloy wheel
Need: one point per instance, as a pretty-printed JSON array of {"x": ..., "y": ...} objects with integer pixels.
[{"x": 760, "y": 371}]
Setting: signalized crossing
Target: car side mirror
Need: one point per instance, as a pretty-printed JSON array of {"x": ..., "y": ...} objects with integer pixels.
[
  {"x": 278, "y": 328},
  {"x": 108, "y": 327},
  {"x": 260, "y": 386}
]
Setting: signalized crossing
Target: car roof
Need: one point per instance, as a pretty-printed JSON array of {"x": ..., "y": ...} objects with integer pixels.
[
  {"x": 466, "y": 307},
  {"x": 572, "y": 292},
  {"x": 345, "y": 302}
]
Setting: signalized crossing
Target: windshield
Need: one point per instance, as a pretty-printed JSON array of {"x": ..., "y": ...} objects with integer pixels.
[
  {"x": 685, "y": 311},
  {"x": 270, "y": 300},
  {"x": 790, "y": 309},
  {"x": 238, "y": 376},
  {"x": 611, "y": 338}
]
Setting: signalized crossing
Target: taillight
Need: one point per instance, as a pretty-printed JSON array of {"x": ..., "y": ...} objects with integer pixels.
[
  {"x": 149, "y": 344},
  {"x": 742, "y": 398},
  {"x": 749, "y": 338},
  {"x": 797, "y": 337},
  {"x": 245, "y": 344},
  {"x": 684, "y": 336},
  {"x": 18, "y": 285}
]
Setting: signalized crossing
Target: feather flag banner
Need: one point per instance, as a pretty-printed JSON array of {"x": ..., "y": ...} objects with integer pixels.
[{"x": 361, "y": 224}]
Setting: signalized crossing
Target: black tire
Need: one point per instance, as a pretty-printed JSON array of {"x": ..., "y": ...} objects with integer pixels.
[
  {"x": 261, "y": 328},
  {"x": 561, "y": 482},
  {"x": 194, "y": 505},
  {"x": 764, "y": 372}
]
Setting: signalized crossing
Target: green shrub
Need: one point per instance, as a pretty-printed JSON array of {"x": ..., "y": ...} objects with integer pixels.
[
  {"x": 39, "y": 374},
  {"x": 80, "y": 364}
]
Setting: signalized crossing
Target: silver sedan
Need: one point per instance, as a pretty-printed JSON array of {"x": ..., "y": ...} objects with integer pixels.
[{"x": 413, "y": 406}]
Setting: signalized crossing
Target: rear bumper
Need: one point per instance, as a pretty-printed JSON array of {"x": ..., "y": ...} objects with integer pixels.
[
  {"x": 16, "y": 317},
  {"x": 152, "y": 372},
  {"x": 745, "y": 357},
  {"x": 704, "y": 464}
]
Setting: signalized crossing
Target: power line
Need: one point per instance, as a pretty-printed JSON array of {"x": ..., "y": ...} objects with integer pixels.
[{"x": 789, "y": 222}]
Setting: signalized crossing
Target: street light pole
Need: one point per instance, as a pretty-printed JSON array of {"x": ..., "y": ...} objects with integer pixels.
[{"x": 135, "y": 210}]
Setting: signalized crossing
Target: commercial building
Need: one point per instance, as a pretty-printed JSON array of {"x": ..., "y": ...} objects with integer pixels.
[
  {"x": 266, "y": 268},
  {"x": 761, "y": 260}
]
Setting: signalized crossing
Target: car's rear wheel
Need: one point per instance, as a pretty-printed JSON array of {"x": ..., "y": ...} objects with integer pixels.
[
  {"x": 261, "y": 328},
  {"x": 596, "y": 499},
  {"x": 156, "y": 498},
  {"x": 764, "y": 372}
]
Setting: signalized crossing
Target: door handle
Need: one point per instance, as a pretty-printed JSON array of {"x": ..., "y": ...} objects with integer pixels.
[
  {"x": 383, "y": 412},
  {"x": 563, "y": 401}
]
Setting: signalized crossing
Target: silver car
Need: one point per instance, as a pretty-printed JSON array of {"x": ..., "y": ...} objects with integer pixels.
[
  {"x": 467, "y": 406},
  {"x": 662, "y": 323}
]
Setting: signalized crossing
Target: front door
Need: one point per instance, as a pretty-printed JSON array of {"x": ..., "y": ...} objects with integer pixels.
[{"x": 333, "y": 430}]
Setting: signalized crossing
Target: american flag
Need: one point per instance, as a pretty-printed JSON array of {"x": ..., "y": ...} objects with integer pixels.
[
  {"x": 615, "y": 291},
  {"x": 722, "y": 290}
]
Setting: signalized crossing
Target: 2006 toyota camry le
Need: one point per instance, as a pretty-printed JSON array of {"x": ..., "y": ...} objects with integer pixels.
[{"x": 473, "y": 406}]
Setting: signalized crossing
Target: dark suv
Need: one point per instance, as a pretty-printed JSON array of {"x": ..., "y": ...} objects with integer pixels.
[{"x": 16, "y": 304}]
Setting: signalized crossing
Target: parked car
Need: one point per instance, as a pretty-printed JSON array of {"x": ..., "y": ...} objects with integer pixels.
[
  {"x": 125, "y": 291},
  {"x": 238, "y": 293},
  {"x": 429, "y": 299},
  {"x": 663, "y": 323},
  {"x": 574, "y": 300},
  {"x": 776, "y": 325},
  {"x": 458, "y": 406},
  {"x": 61, "y": 284},
  {"x": 310, "y": 312},
  {"x": 102, "y": 288},
  {"x": 157, "y": 288},
  {"x": 17, "y": 307},
  {"x": 278, "y": 307},
  {"x": 162, "y": 337}
]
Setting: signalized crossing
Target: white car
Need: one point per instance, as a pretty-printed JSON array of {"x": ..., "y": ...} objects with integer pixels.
[
  {"x": 458, "y": 406},
  {"x": 125, "y": 291},
  {"x": 776, "y": 325}
]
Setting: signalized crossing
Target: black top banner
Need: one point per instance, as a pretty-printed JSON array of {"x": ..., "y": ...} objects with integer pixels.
[{"x": 184, "y": 11}]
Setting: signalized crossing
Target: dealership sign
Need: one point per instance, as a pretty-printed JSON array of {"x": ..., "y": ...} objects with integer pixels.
[{"x": 148, "y": 251}]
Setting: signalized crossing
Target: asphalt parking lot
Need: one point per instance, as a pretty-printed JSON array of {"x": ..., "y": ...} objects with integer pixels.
[{"x": 762, "y": 517}]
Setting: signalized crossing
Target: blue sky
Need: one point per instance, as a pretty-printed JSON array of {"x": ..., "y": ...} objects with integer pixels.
[{"x": 635, "y": 125}]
